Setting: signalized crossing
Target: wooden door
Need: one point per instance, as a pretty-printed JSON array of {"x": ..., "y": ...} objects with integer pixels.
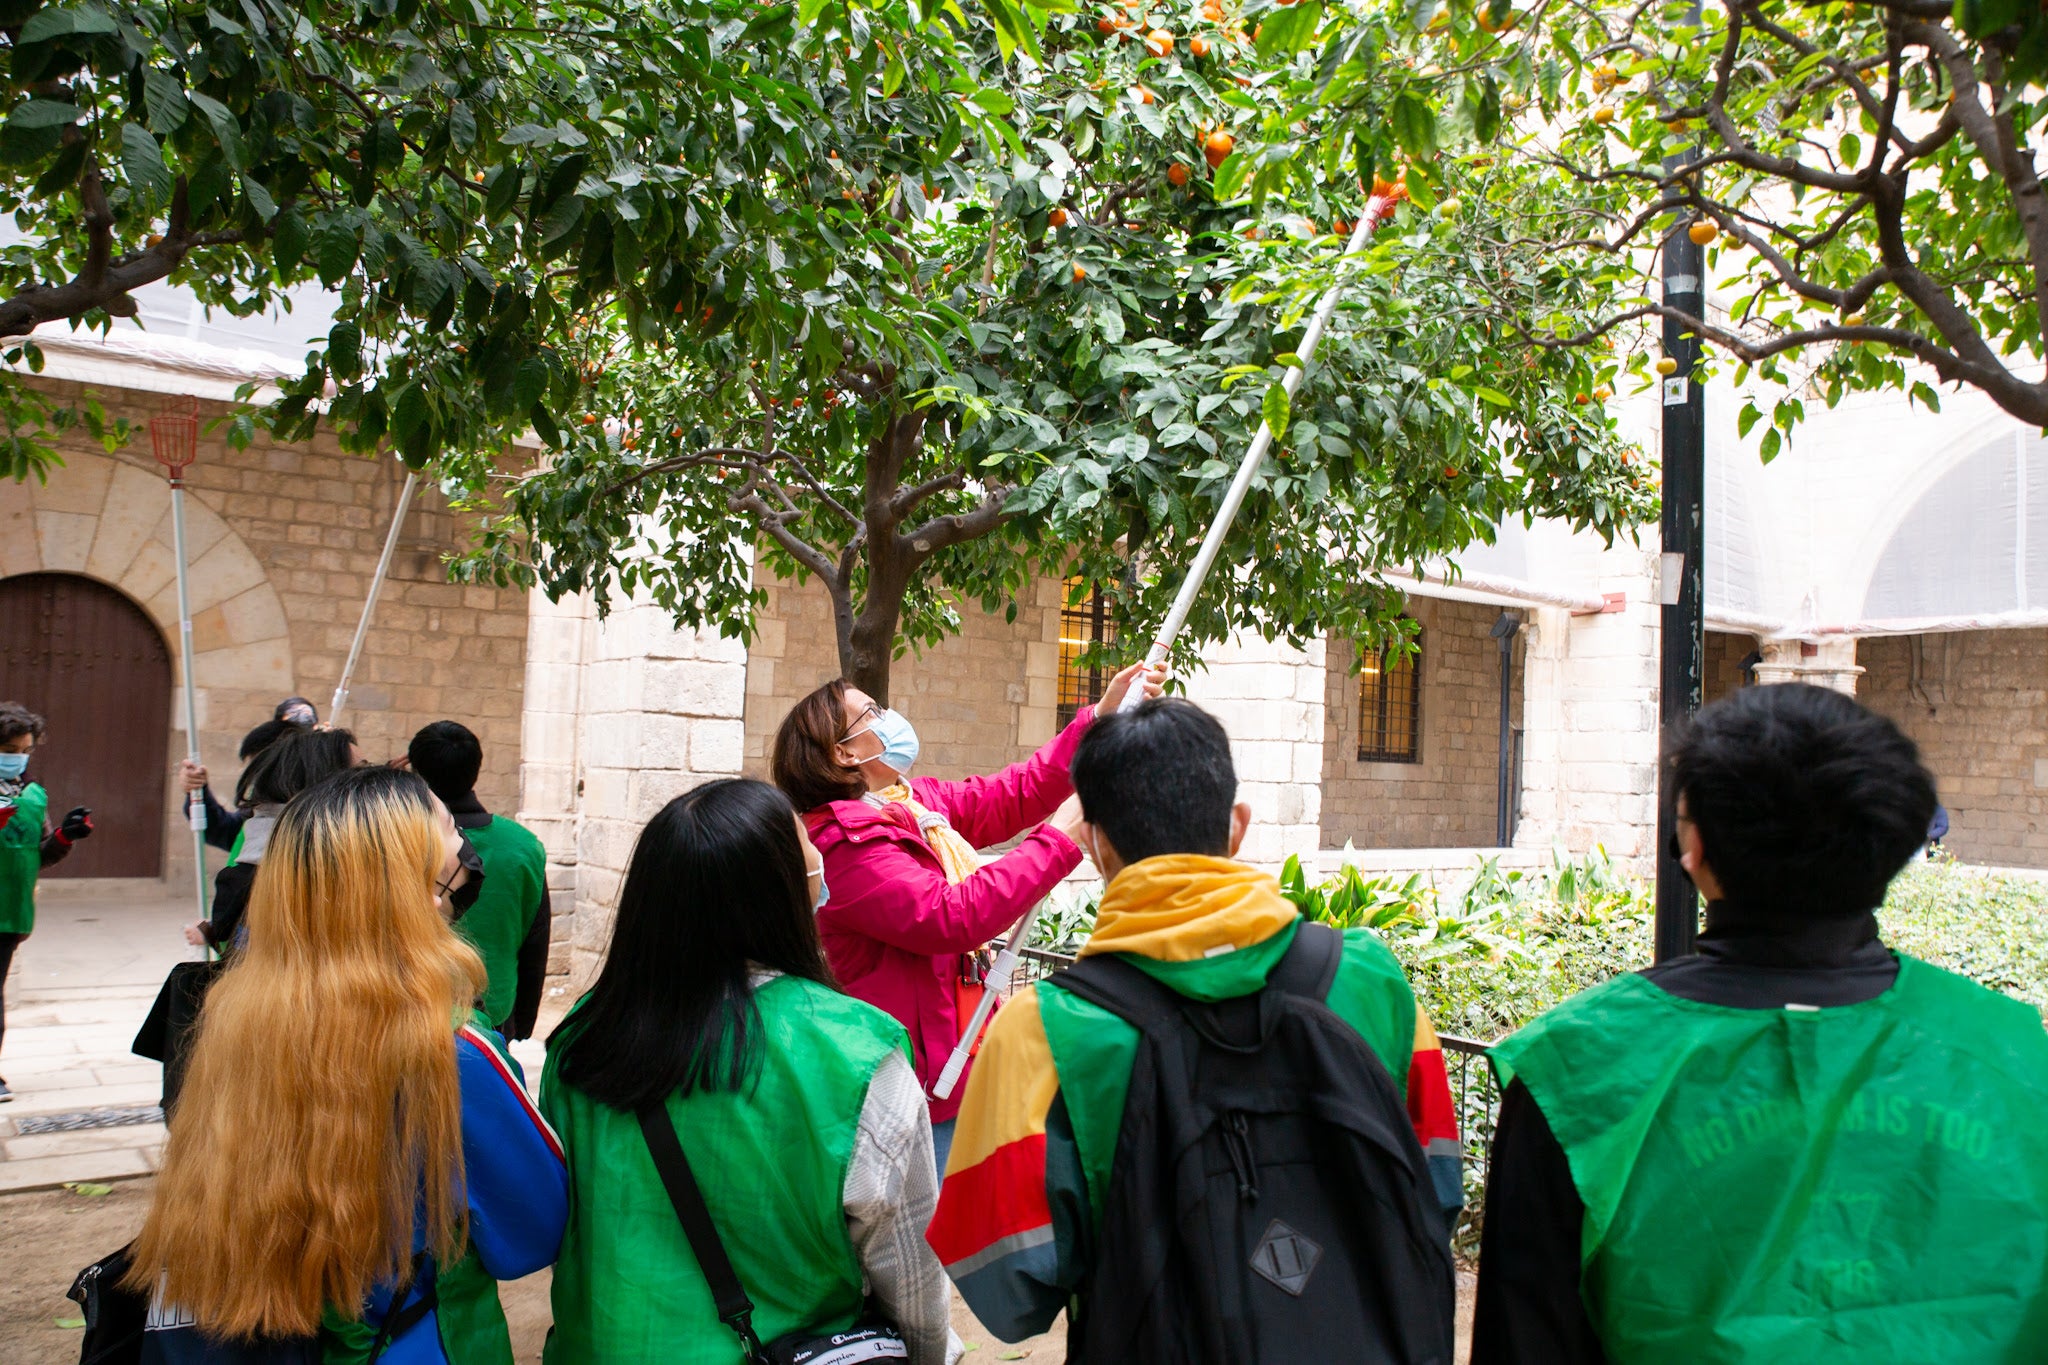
[{"x": 93, "y": 665}]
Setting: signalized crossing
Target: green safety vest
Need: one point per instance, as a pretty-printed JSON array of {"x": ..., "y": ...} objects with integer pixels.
[
  {"x": 21, "y": 860},
  {"x": 515, "y": 875},
  {"x": 772, "y": 1161},
  {"x": 1861, "y": 1184}
]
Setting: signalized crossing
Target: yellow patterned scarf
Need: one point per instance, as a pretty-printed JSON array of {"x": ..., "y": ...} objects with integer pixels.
[{"x": 955, "y": 854}]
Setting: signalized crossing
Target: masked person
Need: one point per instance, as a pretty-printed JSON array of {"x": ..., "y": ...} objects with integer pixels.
[
  {"x": 511, "y": 917},
  {"x": 1319, "y": 1132},
  {"x": 1795, "y": 1144},
  {"x": 908, "y": 902},
  {"x": 28, "y": 841},
  {"x": 354, "y": 1161}
]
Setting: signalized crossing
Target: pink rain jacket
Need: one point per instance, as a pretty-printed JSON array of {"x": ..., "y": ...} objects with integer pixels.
[{"x": 895, "y": 931}]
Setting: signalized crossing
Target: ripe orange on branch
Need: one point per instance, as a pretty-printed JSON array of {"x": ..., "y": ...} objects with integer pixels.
[
  {"x": 1217, "y": 147},
  {"x": 1159, "y": 42},
  {"x": 1058, "y": 216},
  {"x": 1177, "y": 174}
]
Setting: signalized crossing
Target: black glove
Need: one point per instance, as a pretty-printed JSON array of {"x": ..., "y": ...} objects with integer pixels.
[{"x": 77, "y": 825}]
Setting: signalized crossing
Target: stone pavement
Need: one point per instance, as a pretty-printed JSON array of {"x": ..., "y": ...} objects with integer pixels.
[{"x": 85, "y": 1106}]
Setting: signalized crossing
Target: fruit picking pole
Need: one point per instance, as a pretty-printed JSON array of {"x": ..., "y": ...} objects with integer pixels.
[
  {"x": 1377, "y": 210},
  {"x": 355, "y": 649},
  {"x": 174, "y": 440}
]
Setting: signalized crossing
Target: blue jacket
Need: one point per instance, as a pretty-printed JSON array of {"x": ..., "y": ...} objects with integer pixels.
[{"x": 518, "y": 1200}]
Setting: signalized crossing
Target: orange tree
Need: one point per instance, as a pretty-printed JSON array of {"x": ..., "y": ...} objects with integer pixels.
[
  {"x": 986, "y": 319},
  {"x": 1864, "y": 183}
]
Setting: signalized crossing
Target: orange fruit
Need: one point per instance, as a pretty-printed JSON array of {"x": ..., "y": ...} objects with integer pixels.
[
  {"x": 589, "y": 419},
  {"x": 1604, "y": 115},
  {"x": 1141, "y": 94},
  {"x": 1058, "y": 216},
  {"x": 1703, "y": 230},
  {"x": 1217, "y": 147},
  {"x": 1177, "y": 174},
  {"x": 1080, "y": 274},
  {"x": 1105, "y": 25},
  {"x": 931, "y": 191},
  {"x": 1198, "y": 47},
  {"x": 1159, "y": 42}
]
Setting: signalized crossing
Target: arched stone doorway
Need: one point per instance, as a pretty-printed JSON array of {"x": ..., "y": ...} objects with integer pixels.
[{"x": 95, "y": 667}]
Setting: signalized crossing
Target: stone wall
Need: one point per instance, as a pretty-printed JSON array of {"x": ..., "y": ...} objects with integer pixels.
[
  {"x": 1450, "y": 799},
  {"x": 283, "y": 541},
  {"x": 1979, "y": 711},
  {"x": 1589, "y": 749},
  {"x": 625, "y": 714},
  {"x": 981, "y": 699},
  {"x": 1269, "y": 697}
]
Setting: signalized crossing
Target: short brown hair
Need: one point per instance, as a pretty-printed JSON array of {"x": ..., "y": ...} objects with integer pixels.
[
  {"x": 17, "y": 720},
  {"x": 803, "y": 763}
]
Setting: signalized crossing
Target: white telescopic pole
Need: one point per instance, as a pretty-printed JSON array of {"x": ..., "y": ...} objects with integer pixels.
[
  {"x": 1377, "y": 210},
  {"x": 195, "y": 803},
  {"x": 355, "y": 648}
]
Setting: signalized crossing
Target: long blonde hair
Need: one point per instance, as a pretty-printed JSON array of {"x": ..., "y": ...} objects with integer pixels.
[{"x": 321, "y": 1115}]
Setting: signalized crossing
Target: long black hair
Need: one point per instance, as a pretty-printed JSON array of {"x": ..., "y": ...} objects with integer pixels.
[
  {"x": 292, "y": 763},
  {"x": 716, "y": 889}
]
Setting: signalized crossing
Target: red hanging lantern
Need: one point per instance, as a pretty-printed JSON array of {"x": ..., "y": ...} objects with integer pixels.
[{"x": 174, "y": 436}]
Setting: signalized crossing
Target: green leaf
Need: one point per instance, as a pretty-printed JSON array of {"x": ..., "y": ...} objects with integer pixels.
[
  {"x": 143, "y": 163},
  {"x": 46, "y": 24},
  {"x": 1494, "y": 396},
  {"x": 1414, "y": 124},
  {"x": 462, "y": 126},
  {"x": 225, "y": 129},
  {"x": 345, "y": 350},
  {"x": 69, "y": 1324},
  {"x": 288, "y": 242},
  {"x": 168, "y": 108},
  {"x": 259, "y": 198},
  {"x": 337, "y": 252},
  {"x": 88, "y": 1190},
  {"x": 44, "y": 114},
  {"x": 1773, "y": 441},
  {"x": 1275, "y": 407},
  {"x": 1750, "y": 415}
]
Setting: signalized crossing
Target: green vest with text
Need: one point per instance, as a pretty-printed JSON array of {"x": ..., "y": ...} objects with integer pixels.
[
  {"x": 1862, "y": 1184},
  {"x": 515, "y": 875},
  {"x": 772, "y": 1160},
  {"x": 21, "y": 860}
]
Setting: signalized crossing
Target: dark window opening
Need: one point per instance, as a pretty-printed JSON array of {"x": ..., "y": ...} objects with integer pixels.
[{"x": 1390, "y": 705}]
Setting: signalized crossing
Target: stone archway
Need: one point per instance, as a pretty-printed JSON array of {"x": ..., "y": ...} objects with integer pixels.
[{"x": 108, "y": 518}]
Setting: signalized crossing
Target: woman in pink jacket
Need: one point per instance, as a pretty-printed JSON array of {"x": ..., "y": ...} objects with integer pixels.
[{"x": 906, "y": 902}]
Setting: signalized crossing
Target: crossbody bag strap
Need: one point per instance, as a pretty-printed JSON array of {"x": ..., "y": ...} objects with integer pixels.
[
  {"x": 735, "y": 1309},
  {"x": 403, "y": 1316}
]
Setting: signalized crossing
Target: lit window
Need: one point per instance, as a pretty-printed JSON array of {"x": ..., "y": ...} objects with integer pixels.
[
  {"x": 1390, "y": 705},
  {"x": 1083, "y": 625}
]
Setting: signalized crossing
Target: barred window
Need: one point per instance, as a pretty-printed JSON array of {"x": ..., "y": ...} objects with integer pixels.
[
  {"x": 1390, "y": 706},
  {"x": 1083, "y": 624}
]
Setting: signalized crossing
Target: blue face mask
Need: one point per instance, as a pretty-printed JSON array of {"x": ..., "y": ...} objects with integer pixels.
[
  {"x": 899, "y": 741},
  {"x": 824, "y": 891},
  {"x": 14, "y": 765}
]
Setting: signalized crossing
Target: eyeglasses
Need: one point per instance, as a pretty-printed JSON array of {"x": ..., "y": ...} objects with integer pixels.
[{"x": 867, "y": 717}]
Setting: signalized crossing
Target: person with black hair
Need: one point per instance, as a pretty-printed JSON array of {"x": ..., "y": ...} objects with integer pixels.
[
  {"x": 509, "y": 923},
  {"x": 1793, "y": 1144},
  {"x": 224, "y": 826},
  {"x": 29, "y": 842},
  {"x": 1025, "y": 1218},
  {"x": 278, "y": 772},
  {"x": 796, "y": 1108}
]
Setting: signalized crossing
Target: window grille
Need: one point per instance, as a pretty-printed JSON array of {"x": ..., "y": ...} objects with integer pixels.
[
  {"x": 1390, "y": 706},
  {"x": 1083, "y": 625}
]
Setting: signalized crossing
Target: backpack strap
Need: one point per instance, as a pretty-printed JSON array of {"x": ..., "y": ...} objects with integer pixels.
[
  {"x": 1106, "y": 980},
  {"x": 1309, "y": 966},
  {"x": 735, "y": 1309}
]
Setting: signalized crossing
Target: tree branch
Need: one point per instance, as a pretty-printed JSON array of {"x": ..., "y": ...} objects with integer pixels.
[{"x": 958, "y": 527}]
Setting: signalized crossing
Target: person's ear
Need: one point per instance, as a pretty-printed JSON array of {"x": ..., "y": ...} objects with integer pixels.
[{"x": 1240, "y": 821}]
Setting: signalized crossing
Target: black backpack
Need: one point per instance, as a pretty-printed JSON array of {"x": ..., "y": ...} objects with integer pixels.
[{"x": 1268, "y": 1200}]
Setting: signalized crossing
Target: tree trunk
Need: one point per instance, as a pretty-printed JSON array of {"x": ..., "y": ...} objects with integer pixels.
[{"x": 867, "y": 645}]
